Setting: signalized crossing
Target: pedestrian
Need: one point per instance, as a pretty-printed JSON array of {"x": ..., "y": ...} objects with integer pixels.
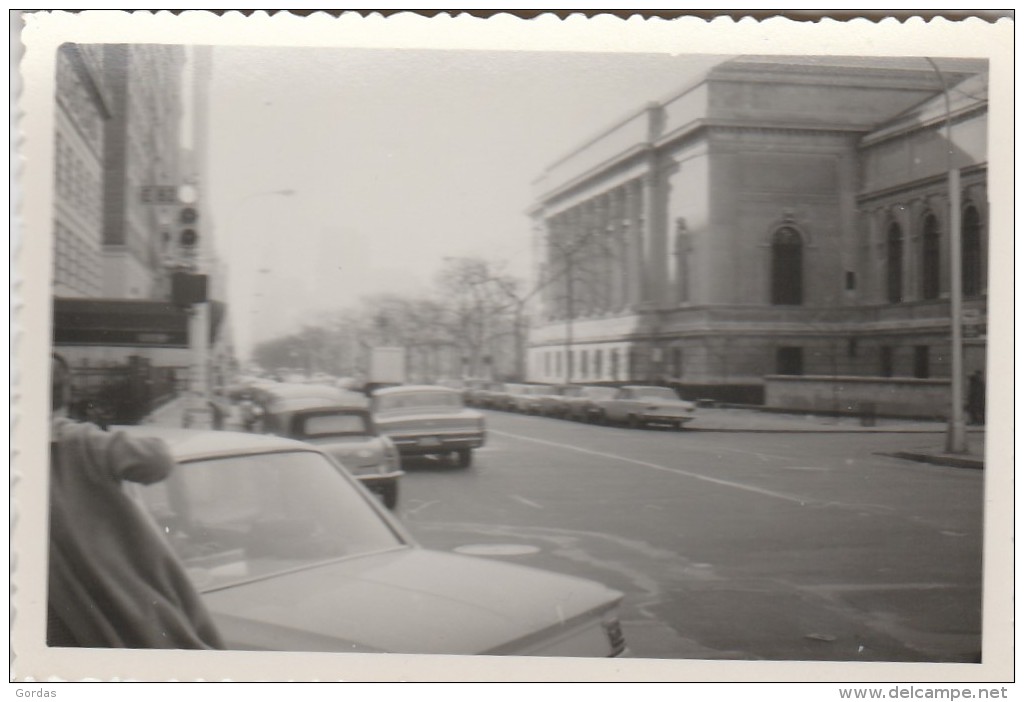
[
  {"x": 976, "y": 398},
  {"x": 113, "y": 579}
]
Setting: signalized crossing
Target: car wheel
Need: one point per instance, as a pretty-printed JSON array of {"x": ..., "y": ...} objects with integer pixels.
[
  {"x": 464, "y": 458},
  {"x": 601, "y": 418},
  {"x": 634, "y": 422},
  {"x": 389, "y": 494}
]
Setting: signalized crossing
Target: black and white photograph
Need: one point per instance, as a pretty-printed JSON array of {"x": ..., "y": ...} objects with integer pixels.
[{"x": 452, "y": 344}]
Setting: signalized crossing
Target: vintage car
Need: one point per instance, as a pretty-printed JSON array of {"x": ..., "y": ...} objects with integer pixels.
[
  {"x": 582, "y": 405},
  {"x": 429, "y": 420},
  {"x": 290, "y": 553},
  {"x": 554, "y": 401},
  {"x": 341, "y": 424},
  {"x": 527, "y": 398},
  {"x": 640, "y": 405}
]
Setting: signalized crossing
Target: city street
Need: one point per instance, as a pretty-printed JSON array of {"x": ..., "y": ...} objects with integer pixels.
[{"x": 738, "y": 545}]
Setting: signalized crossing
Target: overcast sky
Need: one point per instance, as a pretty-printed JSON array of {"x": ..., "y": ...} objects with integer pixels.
[{"x": 397, "y": 159}]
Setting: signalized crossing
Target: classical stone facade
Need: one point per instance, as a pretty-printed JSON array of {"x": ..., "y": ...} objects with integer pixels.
[{"x": 745, "y": 228}]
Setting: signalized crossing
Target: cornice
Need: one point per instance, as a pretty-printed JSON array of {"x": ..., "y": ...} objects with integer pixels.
[{"x": 919, "y": 184}]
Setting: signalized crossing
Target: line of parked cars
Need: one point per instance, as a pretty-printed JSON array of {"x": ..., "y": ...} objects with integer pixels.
[{"x": 632, "y": 405}]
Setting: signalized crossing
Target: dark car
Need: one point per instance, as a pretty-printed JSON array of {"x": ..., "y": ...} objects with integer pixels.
[
  {"x": 582, "y": 405},
  {"x": 341, "y": 424}
]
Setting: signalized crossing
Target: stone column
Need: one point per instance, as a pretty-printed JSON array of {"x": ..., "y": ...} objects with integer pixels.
[
  {"x": 654, "y": 261},
  {"x": 634, "y": 244},
  {"x": 618, "y": 252}
]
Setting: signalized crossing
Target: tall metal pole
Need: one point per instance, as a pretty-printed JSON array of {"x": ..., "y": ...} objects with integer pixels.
[
  {"x": 956, "y": 437},
  {"x": 568, "y": 317}
]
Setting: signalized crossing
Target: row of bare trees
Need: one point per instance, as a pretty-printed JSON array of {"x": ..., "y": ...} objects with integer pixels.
[{"x": 473, "y": 323}]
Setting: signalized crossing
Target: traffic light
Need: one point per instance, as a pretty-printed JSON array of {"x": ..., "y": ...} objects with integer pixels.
[{"x": 188, "y": 237}]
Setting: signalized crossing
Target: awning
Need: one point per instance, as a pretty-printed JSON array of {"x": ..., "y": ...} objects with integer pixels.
[{"x": 114, "y": 322}]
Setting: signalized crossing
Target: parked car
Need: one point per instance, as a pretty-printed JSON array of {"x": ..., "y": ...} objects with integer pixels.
[
  {"x": 339, "y": 423},
  {"x": 527, "y": 398},
  {"x": 582, "y": 404},
  {"x": 290, "y": 553},
  {"x": 639, "y": 405},
  {"x": 429, "y": 420},
  {"x": 499, "y": 396},
  {"x": 554, "y": 402},
  {"x": 475, "y": 392}
]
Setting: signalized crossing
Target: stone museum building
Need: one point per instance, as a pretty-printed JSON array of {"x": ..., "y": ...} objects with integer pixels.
[{"x": 776, "y": 232}]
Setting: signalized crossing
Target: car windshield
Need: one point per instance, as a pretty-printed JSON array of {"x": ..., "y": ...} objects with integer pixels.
[
  {"x": 338, "y": 424},
  {"x": 600, "y": 393},
  {"x": 655, "y": 394},
  {"x": 417, "y": 400},
  {"x": 234, "y": 519}
]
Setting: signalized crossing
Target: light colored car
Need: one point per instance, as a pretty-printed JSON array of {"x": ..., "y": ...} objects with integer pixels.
[
  {"x": 343, "y": 427},
  {"x": 582, "y": 403},
  {"x": 290, "y": 553},
  {"x": 640, "y": 405},
  {"x": 429, "y": 420}
]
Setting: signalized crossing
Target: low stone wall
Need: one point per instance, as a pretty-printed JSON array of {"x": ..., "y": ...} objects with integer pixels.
[{"x": 896, "y": 397}]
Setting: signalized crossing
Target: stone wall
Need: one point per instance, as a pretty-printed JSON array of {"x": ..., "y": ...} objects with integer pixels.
[{"x": 910, "y": 397}]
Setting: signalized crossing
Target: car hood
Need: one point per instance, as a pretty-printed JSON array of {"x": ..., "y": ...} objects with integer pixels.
[{"x": 410, "y": 600}]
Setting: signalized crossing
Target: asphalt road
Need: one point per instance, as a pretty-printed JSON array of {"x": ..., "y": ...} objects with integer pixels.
[{"x": 752, "y": 546}]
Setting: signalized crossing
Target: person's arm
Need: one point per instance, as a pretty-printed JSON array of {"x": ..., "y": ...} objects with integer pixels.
[{"x": 123, "y": 457}]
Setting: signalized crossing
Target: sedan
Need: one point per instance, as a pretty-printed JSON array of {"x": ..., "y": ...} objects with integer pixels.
[
  {"x": 290, "y": 553},
  {"x": 428, "y": 420},
  {"x": 640, "y": 405}
]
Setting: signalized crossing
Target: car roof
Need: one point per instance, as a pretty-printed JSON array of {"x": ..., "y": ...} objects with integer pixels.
[
  {"x": 399, "y": 389},
  {"x": 190, "y": 444}
]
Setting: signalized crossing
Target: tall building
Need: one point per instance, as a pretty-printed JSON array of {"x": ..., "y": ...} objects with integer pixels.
[
  {"x": 774, "y": 223},
  {"x": 82, "y": 111},
  {"x": 142, "y": 164}
]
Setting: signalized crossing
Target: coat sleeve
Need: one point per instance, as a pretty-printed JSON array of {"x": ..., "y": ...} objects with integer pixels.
[{"x": 118, "y": 456}]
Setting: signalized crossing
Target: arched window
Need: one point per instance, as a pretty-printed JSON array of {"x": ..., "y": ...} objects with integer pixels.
[
  {"x": 970, "y": 244},
  {"x": 787, "y": 267},
  {"x": 894, "y": 264},
  {"x": 930, "y": 259}
]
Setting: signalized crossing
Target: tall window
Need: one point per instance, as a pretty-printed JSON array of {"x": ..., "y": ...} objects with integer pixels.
[
  {"x": 598, "y": 364},
  {"x": 885, "y": 361},
  {"x": 970, "y": 243},
  {"x": 787, "y": 267},
  {"x": 677, "y": 362},
  {"x": 789, "y": 360},
  {"x": 613, "y": 363},
  {"x": 930, "y": 259},
  {"x": 894, "y": 264},
  {"x": 921, "y": 366}
]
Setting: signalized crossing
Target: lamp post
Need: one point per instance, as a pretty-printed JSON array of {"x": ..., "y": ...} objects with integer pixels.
[{"x": 956, "y": 438}]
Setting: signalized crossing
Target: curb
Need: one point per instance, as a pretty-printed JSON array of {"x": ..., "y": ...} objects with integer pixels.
[
  {"x": 739, "y": 430},
  {"x": 939, "y": 459}
]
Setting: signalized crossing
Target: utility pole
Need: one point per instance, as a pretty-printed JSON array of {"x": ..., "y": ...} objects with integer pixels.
[{"x": 956, "y": 438}]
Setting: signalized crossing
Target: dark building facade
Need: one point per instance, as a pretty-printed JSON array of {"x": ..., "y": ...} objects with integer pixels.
[{"x": 777, "y": 231}]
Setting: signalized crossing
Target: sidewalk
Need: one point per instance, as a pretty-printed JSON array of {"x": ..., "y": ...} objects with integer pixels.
[{"x": 932, "y": 432}]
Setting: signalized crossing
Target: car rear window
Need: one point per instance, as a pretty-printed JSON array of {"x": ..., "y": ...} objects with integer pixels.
[
  {"x": 417, "y": 400},
  {"x": 322, "y": 425}
]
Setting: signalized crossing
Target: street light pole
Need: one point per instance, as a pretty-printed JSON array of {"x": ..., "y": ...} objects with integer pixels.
[{"x": 956, "y": 438}]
